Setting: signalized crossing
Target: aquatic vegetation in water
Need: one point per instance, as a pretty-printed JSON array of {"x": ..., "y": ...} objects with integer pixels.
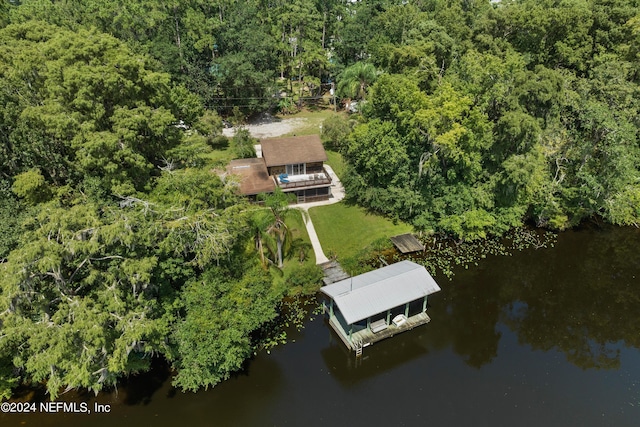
[
  {"x": 294, "y": 312},
  {"x": 442, "y": 255}
]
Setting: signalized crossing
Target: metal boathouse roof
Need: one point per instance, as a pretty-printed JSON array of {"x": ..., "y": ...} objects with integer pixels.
[{"x": 377, "y": 291}]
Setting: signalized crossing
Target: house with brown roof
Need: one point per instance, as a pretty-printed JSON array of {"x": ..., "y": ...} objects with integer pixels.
[
  {"x": 254, "y": 178},
  {"x": 295, "y": 164}
]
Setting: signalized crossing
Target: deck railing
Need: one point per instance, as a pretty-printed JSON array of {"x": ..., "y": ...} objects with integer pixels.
[{"x": 312, "y": 179}]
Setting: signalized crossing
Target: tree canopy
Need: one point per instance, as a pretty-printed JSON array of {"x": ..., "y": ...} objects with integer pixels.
[
  {"x": 515, "y": 111},
  {"x": 113, "y": 227},
  {"x": 79, "y": 104},
  {"x": 118, "y": 239}
]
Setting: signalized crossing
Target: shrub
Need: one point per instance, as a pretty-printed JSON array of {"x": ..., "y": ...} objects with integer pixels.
[
  {"x": 335, "y": 130},
  {"x": 304, "y": 279},
  {"x": 242, "y": 144}
]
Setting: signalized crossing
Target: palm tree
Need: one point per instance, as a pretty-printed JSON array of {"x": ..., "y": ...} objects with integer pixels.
[
  {"x": 259, "y": 222},
  {"x": 355, "y": 80},
  {"x": 278, "y": 236}
]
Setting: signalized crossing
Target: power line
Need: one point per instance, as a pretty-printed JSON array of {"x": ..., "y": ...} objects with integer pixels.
[
  {"x": 264, "y": 97},
  {"x": 258, "y": 87}
]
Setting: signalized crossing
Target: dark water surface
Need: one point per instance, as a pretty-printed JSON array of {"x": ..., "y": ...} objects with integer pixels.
[{"x": 547, "y": 337}]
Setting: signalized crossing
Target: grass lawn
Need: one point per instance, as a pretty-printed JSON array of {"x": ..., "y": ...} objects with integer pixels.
[
  {"x": 299, "y": 231},
  {"x": 336, "y": 162},
  {"x": 313, "y": 120},
  {"x": 346, "y": 230}
]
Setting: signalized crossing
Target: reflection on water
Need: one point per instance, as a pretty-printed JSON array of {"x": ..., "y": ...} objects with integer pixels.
[
  {"x": 376, "y": 360},
  {"x": 546, "y": 337},
  {"x": 580, "y": 300}
]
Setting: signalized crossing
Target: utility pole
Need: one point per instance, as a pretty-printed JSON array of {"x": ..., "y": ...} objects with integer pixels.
[{"x": 333, "y": 93}]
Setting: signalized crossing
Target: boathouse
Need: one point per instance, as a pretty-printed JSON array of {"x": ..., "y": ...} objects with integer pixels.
[{"x": 379, "y": 304}]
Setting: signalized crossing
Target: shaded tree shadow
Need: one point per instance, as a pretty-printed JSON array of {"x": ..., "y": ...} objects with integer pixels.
[{"x": 139, "y": 389}]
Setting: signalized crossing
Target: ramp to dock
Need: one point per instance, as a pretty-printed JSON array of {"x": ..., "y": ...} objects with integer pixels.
[{"x": 333, "y": 272}]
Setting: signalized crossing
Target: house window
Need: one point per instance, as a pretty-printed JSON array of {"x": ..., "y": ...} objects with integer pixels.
[{"x": 296, "y": 169}]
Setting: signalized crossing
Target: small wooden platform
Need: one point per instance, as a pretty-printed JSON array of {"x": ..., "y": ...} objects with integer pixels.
[{"x": 407, "y": 243}]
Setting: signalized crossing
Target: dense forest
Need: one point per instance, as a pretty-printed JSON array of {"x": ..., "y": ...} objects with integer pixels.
[
  {"x": 520, "y": 111},
  {"x": 119, "y": 244}
]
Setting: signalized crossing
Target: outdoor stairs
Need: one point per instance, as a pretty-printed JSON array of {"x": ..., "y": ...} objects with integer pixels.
[{"x": 358, "y": 346}]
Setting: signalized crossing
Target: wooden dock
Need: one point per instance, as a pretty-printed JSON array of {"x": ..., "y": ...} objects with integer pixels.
[
  {"x": 366, "y": 337},
  {"x": 407, "y": 243}
]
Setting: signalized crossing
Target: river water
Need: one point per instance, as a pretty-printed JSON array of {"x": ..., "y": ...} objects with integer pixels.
[{"x": 546, "y": 337}]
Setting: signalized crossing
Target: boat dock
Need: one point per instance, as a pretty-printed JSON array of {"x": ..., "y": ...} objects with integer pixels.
[
  {"x": 366, "y": 337},
  {"x": 378, "y": 304}
]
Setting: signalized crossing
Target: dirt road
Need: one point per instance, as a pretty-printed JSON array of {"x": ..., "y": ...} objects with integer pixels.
[{"x": 268, "y": 126}]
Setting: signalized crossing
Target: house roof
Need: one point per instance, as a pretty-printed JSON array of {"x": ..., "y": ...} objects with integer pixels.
[
  {"x": 296, "y": 149},
  {"x": 377, "y": 291},
  {"x": 254, "y": 177}
]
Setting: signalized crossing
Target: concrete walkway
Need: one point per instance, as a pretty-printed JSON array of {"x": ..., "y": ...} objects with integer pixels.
[
  {"x": 321, "y": 258},
  {"x": 337, "y": 194}
]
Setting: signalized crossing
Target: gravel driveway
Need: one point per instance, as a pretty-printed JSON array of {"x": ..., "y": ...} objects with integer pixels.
[{"x": 268, "y": 126}]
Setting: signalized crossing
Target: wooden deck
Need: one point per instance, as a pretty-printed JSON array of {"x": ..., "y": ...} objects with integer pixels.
[
  {"x": 333, "y": 272},
  {"x": 310, "y": 180},
  {"x": 366, "y": 337},
  {"x": 407, "y": 243}
]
